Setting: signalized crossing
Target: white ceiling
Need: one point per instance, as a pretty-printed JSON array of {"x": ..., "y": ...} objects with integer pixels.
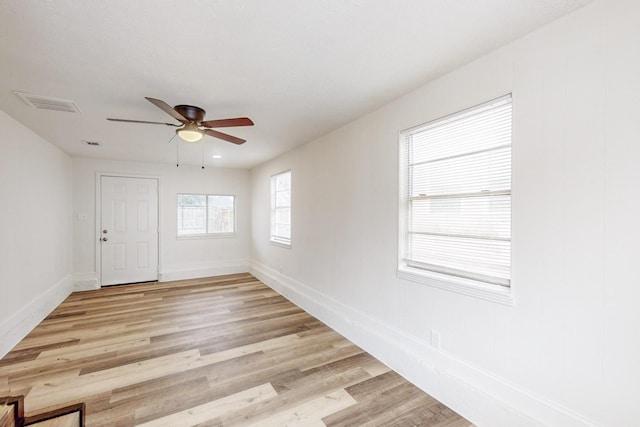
[{"x": 298, "y": 68}]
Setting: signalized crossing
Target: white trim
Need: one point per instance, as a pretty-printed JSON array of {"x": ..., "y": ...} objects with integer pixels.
[
  {"x": 281, "y": 244},
  {"x": 98, "y": 217},
  {"x": 203, "y": 269},
  {"x": 85, "y": 281},
  {"x": 472, "y": 288},
  {"x": 439, "y": 121},
  {"x": 18, "y": 326},
  {"x": 480, "y": 396},
  {"x": 205, "y": 236}
]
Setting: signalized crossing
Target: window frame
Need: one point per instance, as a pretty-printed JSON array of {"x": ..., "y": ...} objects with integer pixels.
[
  {"x": 273, "y": 238},
  {"x": 207, "y": 235},
  {"x": 408, "y": 270}
]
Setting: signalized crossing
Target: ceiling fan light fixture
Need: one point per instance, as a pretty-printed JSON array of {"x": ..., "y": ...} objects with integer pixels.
[{"x": 190, "y": 133}]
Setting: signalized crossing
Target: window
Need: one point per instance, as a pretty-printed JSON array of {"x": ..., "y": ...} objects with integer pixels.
[
  {"x": 205, "y": 215},
  {"x": 456, "y": 198},
  {"x": 281, "y": 208}
]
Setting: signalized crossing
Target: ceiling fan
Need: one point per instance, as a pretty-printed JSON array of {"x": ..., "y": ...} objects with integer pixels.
[{"x": 193, "y": 126}]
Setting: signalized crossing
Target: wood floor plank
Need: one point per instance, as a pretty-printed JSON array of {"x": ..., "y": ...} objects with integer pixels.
[
  {"x": 217, "y": 352},
  {"x": 299, "y": 392},
  {"x": 215, "y": 409},
  {"x": 308, "y": 413},
  {"x": 75, "y": 388}
]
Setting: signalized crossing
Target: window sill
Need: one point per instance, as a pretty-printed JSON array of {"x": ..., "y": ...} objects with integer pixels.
[
  {"x": 282, "y": 245},
  {"x": 472, "y": 288},
  {"x": 205, "y": 236}
]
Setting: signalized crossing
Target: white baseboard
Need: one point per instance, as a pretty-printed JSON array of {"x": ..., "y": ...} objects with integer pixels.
[
  {"x": 194, "y": 271},
  {"x": 89, "y": 281},
  {"x": 16, "y": 327},
  {"x": 483, "y": 398},
  {"x": 85, "y": 281}
]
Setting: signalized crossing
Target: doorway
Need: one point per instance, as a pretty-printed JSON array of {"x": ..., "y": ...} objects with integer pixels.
[{"x": 128, "y": 232}]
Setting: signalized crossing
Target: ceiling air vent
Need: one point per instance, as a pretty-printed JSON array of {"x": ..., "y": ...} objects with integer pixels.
[{"x": 47, "y": 103}]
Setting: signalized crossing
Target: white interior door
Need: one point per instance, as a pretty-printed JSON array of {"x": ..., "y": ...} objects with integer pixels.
[{"x": 128, "y": 230}]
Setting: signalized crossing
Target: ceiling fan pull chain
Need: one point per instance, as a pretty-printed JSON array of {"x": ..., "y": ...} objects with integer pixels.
[
  {"x": 178, "y": 153},
  {"x": 203, "y": 155}
]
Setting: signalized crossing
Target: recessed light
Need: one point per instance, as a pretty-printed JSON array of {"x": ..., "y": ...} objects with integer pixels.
[{"x": 217, "y": 156}]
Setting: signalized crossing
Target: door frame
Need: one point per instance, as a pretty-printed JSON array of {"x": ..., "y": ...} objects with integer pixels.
[{"x": 98, "y": 218}]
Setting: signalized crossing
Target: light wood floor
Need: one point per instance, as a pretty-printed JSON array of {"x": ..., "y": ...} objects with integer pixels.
[{"x": 221, "y": 351}]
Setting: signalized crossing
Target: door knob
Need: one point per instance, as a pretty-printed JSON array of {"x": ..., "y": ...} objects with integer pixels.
[{"x": 104, "y": 239}]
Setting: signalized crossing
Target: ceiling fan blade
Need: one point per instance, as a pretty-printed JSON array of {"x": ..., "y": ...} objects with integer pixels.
[
  {"x": 224, "y": 136},
  {"x": 142, "y": 121},
  {"x": 225, "y": 123},
  {"x": 167, "y": 109}
]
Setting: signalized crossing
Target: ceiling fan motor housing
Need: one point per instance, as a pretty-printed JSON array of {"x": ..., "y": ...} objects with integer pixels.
[{"x": 190, "y": 112}]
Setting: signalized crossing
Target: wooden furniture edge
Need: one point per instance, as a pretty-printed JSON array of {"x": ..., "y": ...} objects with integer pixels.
[
  {"x": 66, "y": 410},
  {"x": 18, "y": 407}
]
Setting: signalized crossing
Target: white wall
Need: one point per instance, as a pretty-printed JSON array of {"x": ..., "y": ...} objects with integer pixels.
[
  {"x": 566, "y": 354},
  {"x": 35, "y": 225},
  {"x": 179, "y": 258}
]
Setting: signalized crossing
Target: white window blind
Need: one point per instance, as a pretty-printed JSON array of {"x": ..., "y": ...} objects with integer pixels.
[
  {"x": 281, "y": 208},
  {"x": 457, "y": 195}
]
